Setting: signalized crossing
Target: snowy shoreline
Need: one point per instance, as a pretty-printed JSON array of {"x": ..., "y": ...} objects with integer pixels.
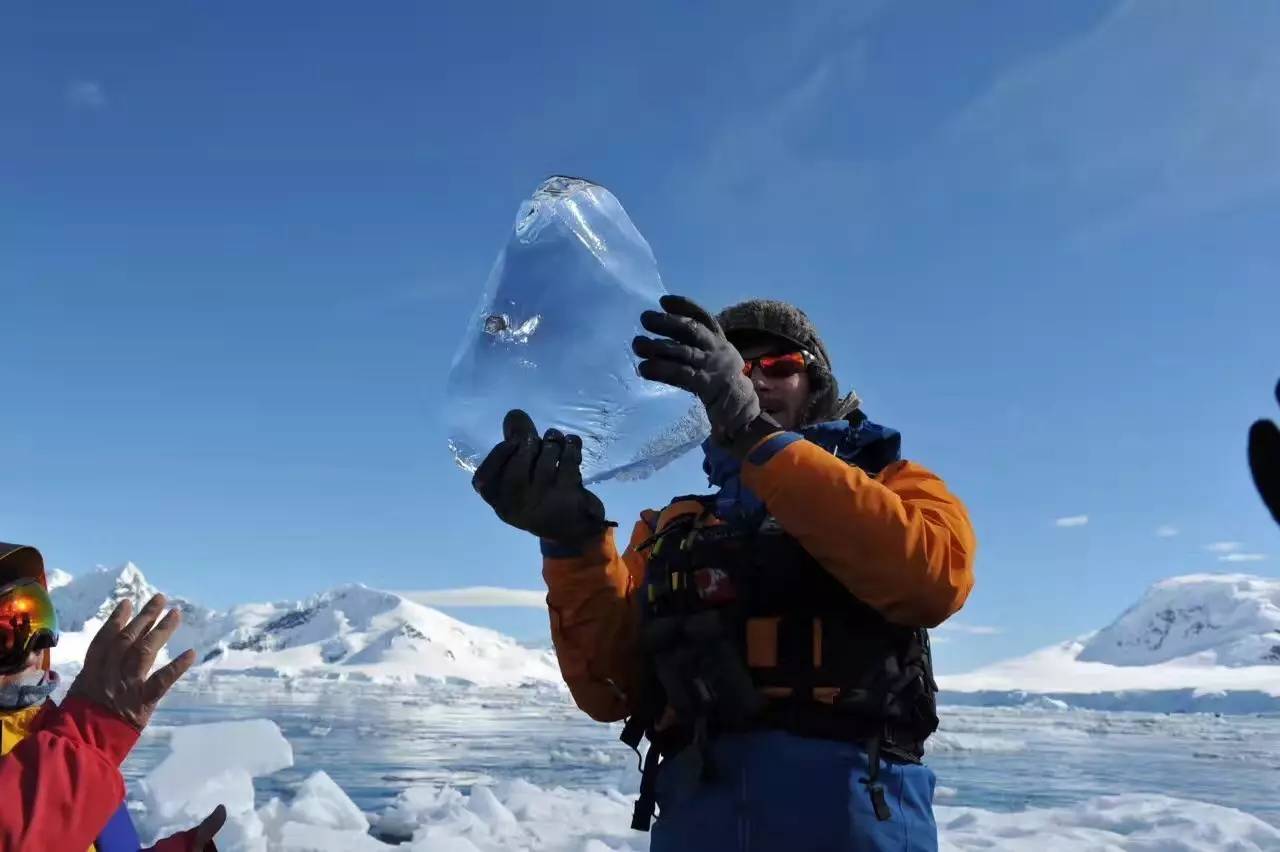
[
  {"x": 1234, "y": 703},
  {"x": 203, "y": 768}
]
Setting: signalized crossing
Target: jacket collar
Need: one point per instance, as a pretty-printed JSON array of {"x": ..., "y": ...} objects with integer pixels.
[
  {"x": 867, "y": 445},
  {"x": 15, "y": 725}
]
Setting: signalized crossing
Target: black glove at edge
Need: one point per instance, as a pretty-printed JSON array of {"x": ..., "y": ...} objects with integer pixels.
[
  {"x": 535, "y": 484},
  {"x": 1264, "y": 461}
]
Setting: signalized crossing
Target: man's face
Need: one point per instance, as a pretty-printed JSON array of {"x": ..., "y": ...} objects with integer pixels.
[
  {"x": 33, "y": 663},
  {"x": 785, "y": 398}
]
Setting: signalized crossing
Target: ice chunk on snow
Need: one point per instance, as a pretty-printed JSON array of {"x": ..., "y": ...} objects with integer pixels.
[
  {"x": 299, "y": 837},
  {"x": 215, "y": 764},
  {"x": 255, "y": 746},
  {"x": 320, "y": 801},
  {"x": 212, "y": 764},
  {"x": 1129, "y": 822},
  {"x": 486, "y": 806},
  {"x": 320, "y": 817},
  {"x": 582, "y": 821},
  {"x": 232, "y": 788},
  {"x": 416, "y": 805},
  {"x": 511, "y": 815},
  {"x": 946, "y": 742},
  {"x": 241, "y": 833}
]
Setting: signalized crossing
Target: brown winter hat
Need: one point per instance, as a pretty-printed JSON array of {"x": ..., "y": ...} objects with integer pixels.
[
  {"x": 18, "y": 561},
  {"x": 786, "y": 321}
]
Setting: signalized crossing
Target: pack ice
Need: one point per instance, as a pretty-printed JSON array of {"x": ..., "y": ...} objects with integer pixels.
[{"x": 215, "y": 763}]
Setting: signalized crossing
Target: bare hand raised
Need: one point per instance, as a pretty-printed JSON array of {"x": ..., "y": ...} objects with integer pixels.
[{"x": 115, "y": 673}]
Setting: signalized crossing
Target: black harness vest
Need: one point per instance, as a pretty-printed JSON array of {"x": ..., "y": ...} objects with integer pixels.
[{"x": 742, "y": 629}]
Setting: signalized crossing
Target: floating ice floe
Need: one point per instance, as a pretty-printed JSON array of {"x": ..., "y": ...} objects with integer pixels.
[
  {"x": 215, "y": 764},
  {"x": 944, "y": 742},
  {"x": 211, "y": 765}
]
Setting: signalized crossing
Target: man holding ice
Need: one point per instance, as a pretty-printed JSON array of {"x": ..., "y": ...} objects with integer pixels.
[{"x": 769, "y": 639}]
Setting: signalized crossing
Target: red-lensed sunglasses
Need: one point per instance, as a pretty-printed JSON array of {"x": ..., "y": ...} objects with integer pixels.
[
  {"x": 779, "y": 366},
  {"x": 28, "y": 623}
]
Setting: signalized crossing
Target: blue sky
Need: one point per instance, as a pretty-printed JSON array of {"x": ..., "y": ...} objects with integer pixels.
[{"x": 239, "y": 244}]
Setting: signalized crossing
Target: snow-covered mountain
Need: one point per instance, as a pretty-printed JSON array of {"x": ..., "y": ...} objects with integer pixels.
[
  {"x": 83, "y": 603},
  {"x": 56, "y": 578},
  {"x": 1225, "y": 619},
  {"x": 1199, "y": 642},
  {"x": 358, "y": 631},
  {"x": 352, "y": 632}
]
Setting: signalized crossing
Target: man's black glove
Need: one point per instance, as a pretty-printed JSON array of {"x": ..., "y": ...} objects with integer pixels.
[
  {"x": 535, "y": 484},
  {"x": 1264, "y": 461},
  {"x": 699, "y": 359}
]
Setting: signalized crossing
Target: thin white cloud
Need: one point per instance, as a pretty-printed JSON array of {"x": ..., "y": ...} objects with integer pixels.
[
  {"x": 1117, "y": 125},
  {"x": 471, "y": 596},
  {"x": 1166, "y": 531},
  {"x": 969, "y": 629},
  {"x": 1123, "y": 130},
  {"x": 1242, "y": 557},
  {"x": 87, "y": 94},
  {"x": 1223, "y": 547},
  {"x": 1072, "y": 521}
]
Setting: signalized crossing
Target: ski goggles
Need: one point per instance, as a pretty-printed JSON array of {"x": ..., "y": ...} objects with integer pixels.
[
  {"x": 779, "y": 366},
  {"x": 28, "y": 623}
]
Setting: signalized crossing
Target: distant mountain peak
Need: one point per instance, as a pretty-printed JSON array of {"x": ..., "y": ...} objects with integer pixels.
[
  {"x": 1223, "y": 619},
  {"x": 93, "y": 595},
  {"x": 352, "y": 631},
  {"x": 56, "y": 578},
  {"x": 130, "y": 573}
]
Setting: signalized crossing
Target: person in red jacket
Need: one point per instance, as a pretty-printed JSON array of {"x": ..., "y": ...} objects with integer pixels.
[
  {"x": 60, "y": 775},
  {"x": 769, "y": 639}
]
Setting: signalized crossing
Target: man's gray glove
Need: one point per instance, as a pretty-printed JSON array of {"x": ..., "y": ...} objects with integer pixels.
[
  {"x": 699, "y": 359},
  {"x": 535, "y": 484}
]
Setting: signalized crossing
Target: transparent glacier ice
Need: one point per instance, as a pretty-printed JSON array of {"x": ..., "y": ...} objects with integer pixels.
[{"x": 552, "y": 335}]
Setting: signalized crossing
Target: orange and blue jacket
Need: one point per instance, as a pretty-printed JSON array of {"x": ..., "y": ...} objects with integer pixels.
[{"x": 898, "y": 541}]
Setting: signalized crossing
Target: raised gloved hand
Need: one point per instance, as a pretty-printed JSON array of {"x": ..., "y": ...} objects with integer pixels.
[
  {"x": 535, "y": 484},
  {"x": 1264, "y": 461},
  {"x": 700, "y": 359}
]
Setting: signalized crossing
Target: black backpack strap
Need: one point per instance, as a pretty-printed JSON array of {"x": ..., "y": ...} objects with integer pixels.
[
  {"x": 647, "y": 802},
  {"x": 872, "y": 782},
  {"x": 633, "y": 732}
]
